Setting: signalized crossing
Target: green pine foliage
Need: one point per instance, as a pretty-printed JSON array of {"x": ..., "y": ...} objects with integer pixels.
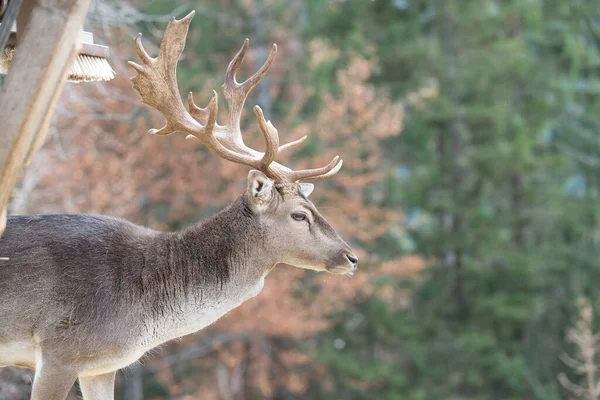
[{"x": 499, "y": 182}]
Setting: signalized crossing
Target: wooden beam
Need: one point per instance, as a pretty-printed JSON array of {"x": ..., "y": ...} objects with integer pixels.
[
  {"x": 49, "y": 37},
  {"x": 2, "y": 220}
]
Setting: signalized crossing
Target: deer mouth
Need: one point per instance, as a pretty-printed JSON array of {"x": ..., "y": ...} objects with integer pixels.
[
  {"x": 349, "y": 271},
  {"x": 344, "y": 263}
]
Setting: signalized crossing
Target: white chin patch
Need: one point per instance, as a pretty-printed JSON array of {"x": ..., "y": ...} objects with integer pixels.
[{"x": 312, "y": 268}]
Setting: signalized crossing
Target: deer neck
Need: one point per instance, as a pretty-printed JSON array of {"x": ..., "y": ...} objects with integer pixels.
[
  {"x": 224, "y": 250},
  {"x": 206, "y": 270}
]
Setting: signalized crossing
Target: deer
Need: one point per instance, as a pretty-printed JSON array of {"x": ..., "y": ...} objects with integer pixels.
[{"x": 83, "y": 296}]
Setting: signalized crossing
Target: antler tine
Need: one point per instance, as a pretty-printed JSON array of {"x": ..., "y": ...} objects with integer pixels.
[
  {"x": 209, "y": 117},
  {"x": 318, "y": 173},
  {"x": 271, "y": 138},
  {"x": 258, "y": 75},
  {"x": 293, "y": 144},
  {"x": 201, "y": 114},
  {"x": 235, "y": 64},
  {"x": 141, "y": 51},
  {"x": 236, "y": 93}
]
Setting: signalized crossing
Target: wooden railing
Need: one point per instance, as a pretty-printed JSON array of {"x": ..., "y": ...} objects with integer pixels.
[{"x": 48, "y": 40}]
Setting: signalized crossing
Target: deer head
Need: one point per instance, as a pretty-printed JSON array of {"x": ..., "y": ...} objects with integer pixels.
[{"x": 288, "y": 221}]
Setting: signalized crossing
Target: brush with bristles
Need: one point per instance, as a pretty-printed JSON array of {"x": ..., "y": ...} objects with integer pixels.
[{"x": 91, "y": 63}]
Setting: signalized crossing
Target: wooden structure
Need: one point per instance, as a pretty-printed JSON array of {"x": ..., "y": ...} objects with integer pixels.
[{"x": 49, "y": 37}]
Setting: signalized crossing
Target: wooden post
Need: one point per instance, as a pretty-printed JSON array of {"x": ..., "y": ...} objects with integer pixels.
[
  {"x": 2, "y": 220},
  {"x": 49, "y": 38}
]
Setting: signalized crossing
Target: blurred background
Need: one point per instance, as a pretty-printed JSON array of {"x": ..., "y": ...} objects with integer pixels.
[{"x": 470, "y": 190}]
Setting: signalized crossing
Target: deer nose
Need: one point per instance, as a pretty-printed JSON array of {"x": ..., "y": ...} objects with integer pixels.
[{"x": 353, "y": 259}]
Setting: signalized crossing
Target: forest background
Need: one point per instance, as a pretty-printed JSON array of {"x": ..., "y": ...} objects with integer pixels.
[{"x": 471, "y": 190}]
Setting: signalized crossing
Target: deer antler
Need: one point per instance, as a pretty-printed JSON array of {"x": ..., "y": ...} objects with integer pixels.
[{"x": 156, "y": 83}]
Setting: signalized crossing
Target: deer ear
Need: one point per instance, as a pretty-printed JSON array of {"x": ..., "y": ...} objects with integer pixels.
[
  {"x": 260, "y": 189},
  {"x": 306, "y": 189}
]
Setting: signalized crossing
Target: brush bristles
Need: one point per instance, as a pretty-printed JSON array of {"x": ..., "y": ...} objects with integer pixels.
[
  {"x": 84, "y": 69},
  {"x": 5, "y": 59},
  {"x": 89, "y": 68}
]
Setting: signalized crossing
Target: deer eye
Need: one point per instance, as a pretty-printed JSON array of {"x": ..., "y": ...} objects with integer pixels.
[{"x": 299, "y": 216}]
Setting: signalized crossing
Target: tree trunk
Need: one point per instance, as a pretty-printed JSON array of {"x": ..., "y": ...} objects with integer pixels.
[{"x": 450, "y": 146}]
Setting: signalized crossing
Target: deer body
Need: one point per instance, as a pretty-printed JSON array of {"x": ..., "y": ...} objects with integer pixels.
[
  {"x": 86, "y": 295},
  {"x": 82, "y": 296},
  {"x": 106, "y": 291}
]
